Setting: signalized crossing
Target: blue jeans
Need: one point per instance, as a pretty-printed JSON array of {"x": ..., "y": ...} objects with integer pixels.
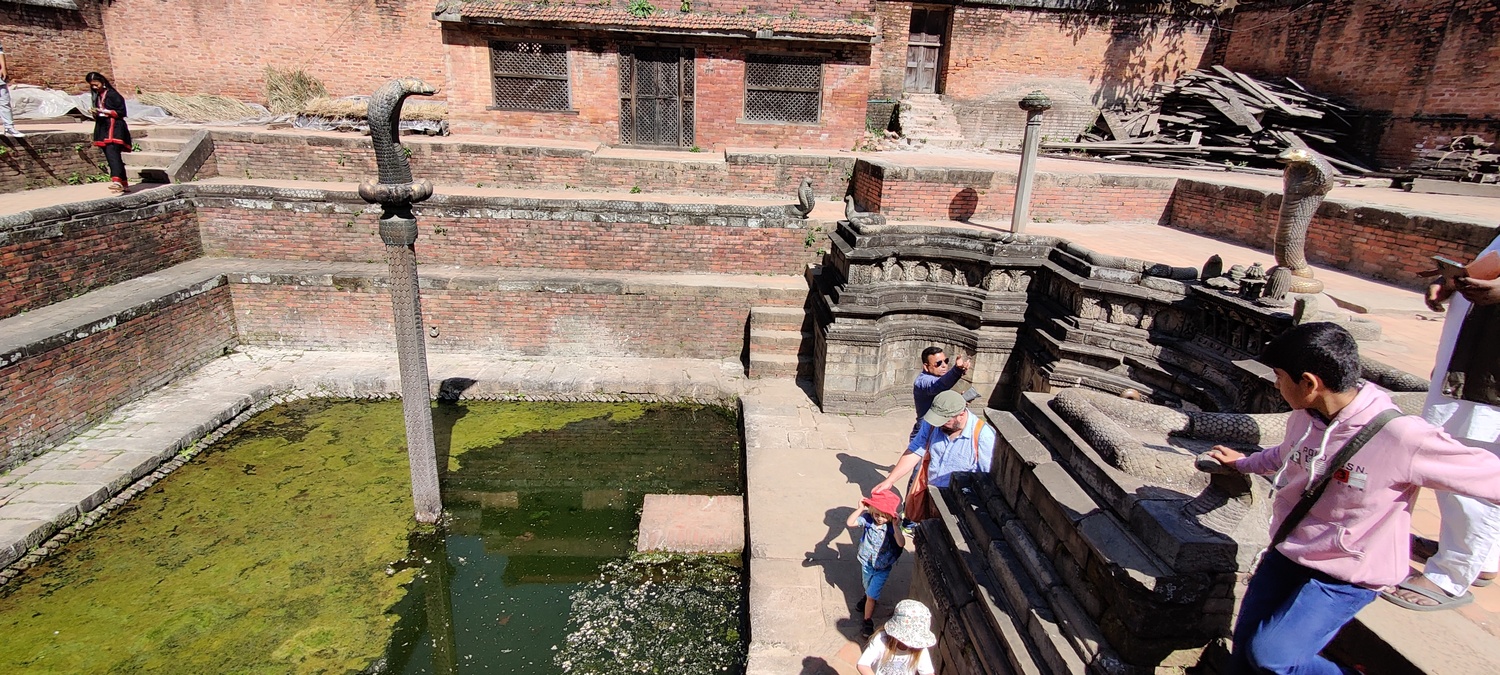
[{"x": 1289, "y": 614}]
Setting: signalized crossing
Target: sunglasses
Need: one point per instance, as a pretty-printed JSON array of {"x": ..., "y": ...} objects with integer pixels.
[{"x": 942, "y": 362}]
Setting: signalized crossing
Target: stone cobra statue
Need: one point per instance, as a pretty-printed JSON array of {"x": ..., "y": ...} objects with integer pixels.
[
  {"x": 858, "y": 217},
  {"x": 1307, "y": 179},
  {"x": 396, "y": 192},
  {"x": 806, "y": 200}
]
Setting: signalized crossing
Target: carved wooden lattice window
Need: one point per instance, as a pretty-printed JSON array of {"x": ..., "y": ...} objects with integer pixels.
[
  {"x": 783, "y": 88},
  {"x": 530, "y": 75}
]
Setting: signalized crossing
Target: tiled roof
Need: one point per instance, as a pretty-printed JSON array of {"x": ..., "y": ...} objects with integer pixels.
[{"x": 607, "y": 17}]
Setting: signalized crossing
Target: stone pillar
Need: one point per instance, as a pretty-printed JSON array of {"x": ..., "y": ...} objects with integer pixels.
[
  {"x": 1034, "y": 104},
  {"x": 396, "y": 191}
]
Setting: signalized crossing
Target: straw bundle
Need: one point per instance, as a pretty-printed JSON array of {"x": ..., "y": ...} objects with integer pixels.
[
  {"x": 199, "y": 107},
  {"x": 358, "y": 109},
  {"x": 288, "y": 90}
]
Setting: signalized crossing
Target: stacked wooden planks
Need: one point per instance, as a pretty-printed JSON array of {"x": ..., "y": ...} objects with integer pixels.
[{"x": 1223, "y": 119}]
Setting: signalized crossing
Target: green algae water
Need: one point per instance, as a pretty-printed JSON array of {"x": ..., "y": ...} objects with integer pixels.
[{"x": 289, "y": 547}]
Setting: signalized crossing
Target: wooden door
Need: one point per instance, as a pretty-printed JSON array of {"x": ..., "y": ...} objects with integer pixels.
[
  {"x": 656, "y": 97},
  {"x": 924, "y": 49}
]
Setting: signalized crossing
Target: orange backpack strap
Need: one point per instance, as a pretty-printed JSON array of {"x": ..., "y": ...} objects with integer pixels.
[{"x": 978, "y": 427}]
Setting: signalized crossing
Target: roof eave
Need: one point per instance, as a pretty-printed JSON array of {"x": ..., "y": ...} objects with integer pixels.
[{"x": 740, "y": 34}]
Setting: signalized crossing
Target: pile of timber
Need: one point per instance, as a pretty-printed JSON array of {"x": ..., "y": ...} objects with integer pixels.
[
  {"x": 1223, "y": 119},
  {"x": 1469, "y": 159}
]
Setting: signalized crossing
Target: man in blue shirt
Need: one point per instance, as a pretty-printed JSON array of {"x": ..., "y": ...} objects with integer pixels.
[
  {"x": 949, "y": 439},
  {"x": 937, "y": 376}
]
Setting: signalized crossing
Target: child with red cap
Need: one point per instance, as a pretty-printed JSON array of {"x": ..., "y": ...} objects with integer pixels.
[{"x": 880, "y": 544}]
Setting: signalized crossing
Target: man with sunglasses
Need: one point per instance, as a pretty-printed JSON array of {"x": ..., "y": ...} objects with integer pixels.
[{"x": 936, "y": 377}]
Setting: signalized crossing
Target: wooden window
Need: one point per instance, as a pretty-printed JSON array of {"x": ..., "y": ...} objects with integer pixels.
[
  {"x": 530, "y": 75},
  {"x": 783, "y": 88}
]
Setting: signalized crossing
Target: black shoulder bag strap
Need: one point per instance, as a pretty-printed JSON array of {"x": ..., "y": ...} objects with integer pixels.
[{"x": 1346, "y": 453}]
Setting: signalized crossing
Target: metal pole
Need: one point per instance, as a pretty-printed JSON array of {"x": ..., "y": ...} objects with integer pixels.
[
  {"x": 396, "y": 192},
  {"x": 1034, "y": 104}
]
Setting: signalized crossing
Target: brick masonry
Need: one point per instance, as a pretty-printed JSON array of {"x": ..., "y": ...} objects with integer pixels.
[
  {"x": 904, "y": 193},
  {"x": 52, "y": 47},
  {"x": 594, "y": 72},
  {"x": 557, "y": 235},
  {"x": 502, "y": 318},
  {"x": 65, "y": 251},
  {"x": 52, "y": 394},
  {"x": 48, "y": 160},
  {"x": 1427, "y": 64},
  {"x": 337, "y": 158},
  {"x": 993, "y": 56},
  {"x": 190, "y": 46},
  {"x": 1377, "y": 243}
]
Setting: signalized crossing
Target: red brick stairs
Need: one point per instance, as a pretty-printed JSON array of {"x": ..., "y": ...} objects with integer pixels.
[{"x": 781, "y": 339}]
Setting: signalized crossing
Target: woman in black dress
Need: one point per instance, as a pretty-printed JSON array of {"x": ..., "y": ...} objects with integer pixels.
[{"x": 110, "y": 132}]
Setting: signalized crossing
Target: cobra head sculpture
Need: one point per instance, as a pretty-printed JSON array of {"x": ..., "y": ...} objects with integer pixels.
[
  {"x": 395, "y": 186},
  {"x": 1307, "y": 179}
]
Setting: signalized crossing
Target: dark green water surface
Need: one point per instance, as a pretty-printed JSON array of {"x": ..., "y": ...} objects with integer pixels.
[{"x": 289, "y": 547}]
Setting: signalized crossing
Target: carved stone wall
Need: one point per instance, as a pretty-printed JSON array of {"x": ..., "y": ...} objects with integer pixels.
[
  {"x": 1092, "y": 545},
  {"x": 1036, "y": 314}
]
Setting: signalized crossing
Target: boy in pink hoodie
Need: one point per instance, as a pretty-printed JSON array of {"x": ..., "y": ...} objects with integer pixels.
[{"x": 1354, "y": 540}]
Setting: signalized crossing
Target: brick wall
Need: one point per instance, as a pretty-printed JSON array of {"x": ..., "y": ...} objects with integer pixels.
[
  {"x": 594, "y": 72},
  {"x": 682, "y": 321},
  {"x": 488, "y": 234},
  {"x": 53, "y": 47},
  {"x": 192, "y": 46},
  {"x": 1081, "y": 60},
  {"x": 53, "y": 394},
  {"x": 48, "y": 160},
  {"x": 1430, "y": 64},
  {"x": 349, "y": 158},
  {"x": 70, "y": 250},
  {"x": 902, "y": 193},
  {"x": 1371, "y": 242}
]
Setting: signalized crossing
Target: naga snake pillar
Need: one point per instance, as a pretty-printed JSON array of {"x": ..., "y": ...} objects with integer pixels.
[
  {"x": 1307, "y": 179},
  {"x": 396, "y": 192}
]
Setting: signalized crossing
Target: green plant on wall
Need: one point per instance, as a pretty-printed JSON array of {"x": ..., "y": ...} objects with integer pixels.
[{"x": 641, "y": 8}]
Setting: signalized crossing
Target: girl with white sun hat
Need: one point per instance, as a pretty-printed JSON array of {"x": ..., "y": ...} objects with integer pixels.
[{"x": 901, "y": 646}]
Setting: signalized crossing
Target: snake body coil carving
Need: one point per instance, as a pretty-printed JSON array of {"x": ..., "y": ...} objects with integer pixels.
[
  {"x": 1308, "y": 178},
  {"x": 395, "y": 186}
]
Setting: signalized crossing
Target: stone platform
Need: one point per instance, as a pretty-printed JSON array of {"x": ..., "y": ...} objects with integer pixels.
[{"x": 692, "y": 524}]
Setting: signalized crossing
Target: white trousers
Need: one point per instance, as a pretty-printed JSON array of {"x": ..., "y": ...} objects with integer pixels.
[{"x": 1469, "y": 539}]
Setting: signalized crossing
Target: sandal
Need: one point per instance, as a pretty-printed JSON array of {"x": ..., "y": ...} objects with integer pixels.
[
  {"x": 1442, "y": 600},
  {"x": 1485, "y": 579}
]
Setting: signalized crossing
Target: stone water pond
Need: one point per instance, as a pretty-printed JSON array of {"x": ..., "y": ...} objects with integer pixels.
[{"x": 289, "y": 546}]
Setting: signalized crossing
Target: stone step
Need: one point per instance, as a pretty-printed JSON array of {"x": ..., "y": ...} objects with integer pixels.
[
  {"x": 180, "y": 133},
  {"x": 779, "y": 365},
  {"x": 764, "y": 341},
  {"x": 150, "y": 159},
  {"x": 172, "y": 145},
  {"x": 777, "y": 318}
]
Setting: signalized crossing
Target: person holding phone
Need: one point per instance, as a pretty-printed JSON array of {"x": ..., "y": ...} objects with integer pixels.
[{"x": 1464, "y": 399}]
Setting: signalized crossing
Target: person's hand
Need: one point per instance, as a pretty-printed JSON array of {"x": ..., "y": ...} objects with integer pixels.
[
  {"x": 962, "y": 363},
  {"x": 881, "y": 486},
  {"x": 1225, "y": 456},
  {"x": 1438, "y": 293},
  {"x": 1479, "y": 291}
]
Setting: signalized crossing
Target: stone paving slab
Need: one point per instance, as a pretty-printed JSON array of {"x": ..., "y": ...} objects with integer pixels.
[
  {"x": 692, "y": 524},
  {"x": 805, "y": 473}
]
